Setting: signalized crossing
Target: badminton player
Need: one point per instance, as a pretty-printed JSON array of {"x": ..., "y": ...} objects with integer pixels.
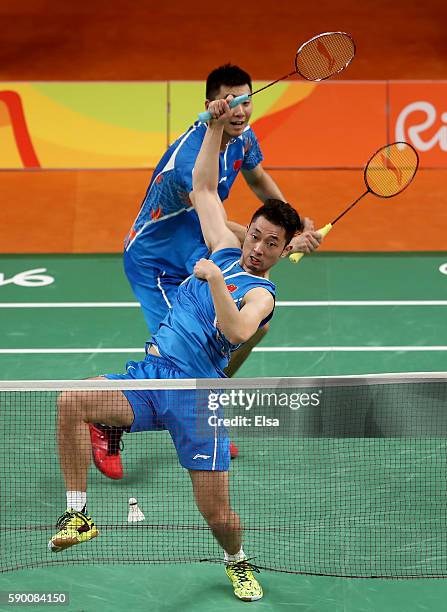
[
  {"x": 206, "y": 323},
  {"x": 166, "y": 240}
]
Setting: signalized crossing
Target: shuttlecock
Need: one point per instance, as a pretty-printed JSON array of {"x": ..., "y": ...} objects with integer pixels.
[{"x": 135, "y": 514}]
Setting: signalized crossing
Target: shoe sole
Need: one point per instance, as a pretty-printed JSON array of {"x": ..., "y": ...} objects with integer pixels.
[
  {"x": 100, "y": 469},
  {"x": 254, "y": 598},
  {"x": 62, "y": 544}
]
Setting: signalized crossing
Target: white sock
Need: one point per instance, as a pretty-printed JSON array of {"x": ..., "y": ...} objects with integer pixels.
[
  {"x": 76, "y": 500},
  {"x": 239, "y": 556}
]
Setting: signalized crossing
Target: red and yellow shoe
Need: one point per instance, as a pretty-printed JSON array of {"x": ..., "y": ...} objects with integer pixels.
[
  {"x": 234, "y": 451},
  {"x": 74, "y": 528},
  {"x": 106, "y": 446},
  {"x": 245, "y": 585}
]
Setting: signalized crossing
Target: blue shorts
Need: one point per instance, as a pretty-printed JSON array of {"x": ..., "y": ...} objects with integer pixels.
[
  {"x": 155, "y": 286},
  {"x": 199, "y": 442},
  {"x": 154, "y": 289}
]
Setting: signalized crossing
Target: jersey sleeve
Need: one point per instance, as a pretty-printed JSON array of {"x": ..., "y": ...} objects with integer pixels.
[
  {"x": 186, "y": 159},
  {"x": 252, "y": 151},
  {"x": 271, "y": 288},
  {"x": 183, "y": 172},
  {"x": 225, "y": 257}
]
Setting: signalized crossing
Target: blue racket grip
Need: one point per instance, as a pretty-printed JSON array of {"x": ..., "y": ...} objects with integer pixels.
[{"x": 206, "y": 116}]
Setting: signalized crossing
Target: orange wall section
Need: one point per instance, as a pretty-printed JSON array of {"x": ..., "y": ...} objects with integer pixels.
[
  {"x": 51, "y": 212},
  {"x": 72, "y": 40},
  {"x": 42, "y": 40}
]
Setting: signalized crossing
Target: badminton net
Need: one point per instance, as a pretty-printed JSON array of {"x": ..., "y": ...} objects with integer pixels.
[{"x": 337, "y": 476}]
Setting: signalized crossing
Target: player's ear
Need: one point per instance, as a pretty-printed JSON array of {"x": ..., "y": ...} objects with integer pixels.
[
  {"x": 207, "y": 103},
  {"x": 286, "y": 251}
]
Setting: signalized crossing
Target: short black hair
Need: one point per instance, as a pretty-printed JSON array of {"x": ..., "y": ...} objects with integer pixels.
[
  {"x": 282, "y": 214},
  {"x": 229, "y": 75}
]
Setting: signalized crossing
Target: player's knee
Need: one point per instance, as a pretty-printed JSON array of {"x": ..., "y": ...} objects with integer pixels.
[
  {"x": 69, "y": 405},
  {"x": 218, "y": 521},
  {"x": 221, "y": 519}
]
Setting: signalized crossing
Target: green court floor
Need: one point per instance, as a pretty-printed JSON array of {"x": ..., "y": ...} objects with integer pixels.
[{"x": 336, "y": 314}]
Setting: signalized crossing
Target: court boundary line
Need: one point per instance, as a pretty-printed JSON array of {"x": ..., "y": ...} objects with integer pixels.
[
  {"x": 283, "y": 303},
  {"x": 257, "y": 349}
]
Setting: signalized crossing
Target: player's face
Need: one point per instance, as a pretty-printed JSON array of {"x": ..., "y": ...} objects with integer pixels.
[
  {"x": 264, "y": 245},
  {"x": 240, "y": 114}
]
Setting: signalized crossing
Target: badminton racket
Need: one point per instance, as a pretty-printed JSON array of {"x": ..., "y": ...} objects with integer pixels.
[
  {"x": 317, "y": 59},
  {"x": 389, "y": 171}
]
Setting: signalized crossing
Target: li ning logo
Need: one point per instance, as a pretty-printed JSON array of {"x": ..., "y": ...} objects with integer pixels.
[{"x": 199, "y": 456}]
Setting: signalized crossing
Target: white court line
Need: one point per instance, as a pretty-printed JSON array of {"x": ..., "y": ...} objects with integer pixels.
[
  {"x": 365, "y": 303},
  {"x": 68, "y": 351},
  {"x": 291, "y": 303},
  {"x": 69, "y": 305},
  {"x": 260, "y": 349},
  {"x": 345, "y": 349}
]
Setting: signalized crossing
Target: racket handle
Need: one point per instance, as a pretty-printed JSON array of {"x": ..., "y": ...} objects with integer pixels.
[
  {"x": 206, "y": 116},
  {"x": 297, "y": 257}
]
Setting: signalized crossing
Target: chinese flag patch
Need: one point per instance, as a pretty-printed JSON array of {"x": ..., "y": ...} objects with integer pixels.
[
  {"x": 237, "y": 164},
  {"x": 156, "y": 214},
  {"x": 231, "y": 288}
]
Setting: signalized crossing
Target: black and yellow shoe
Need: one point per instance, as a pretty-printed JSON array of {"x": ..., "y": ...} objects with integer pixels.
[
  {"x": 74, "y": 528},
  {"x": 245, "y": 585}
]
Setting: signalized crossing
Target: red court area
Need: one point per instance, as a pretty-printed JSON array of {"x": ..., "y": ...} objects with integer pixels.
[{"x": 84, "y": 211}]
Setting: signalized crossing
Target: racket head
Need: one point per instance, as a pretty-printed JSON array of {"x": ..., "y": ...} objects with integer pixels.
[
  {"x": 391, "y": 169},
  {"x": 324, "y": 55}
]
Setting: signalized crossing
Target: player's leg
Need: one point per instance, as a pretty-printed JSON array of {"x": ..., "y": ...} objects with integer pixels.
[
  {"x": 212, "y": 499},
  {"x": 75, "y": 410},
  {"x": 155, "y": 291},
  {"x": 203, "y": 449},
  {"x": 211, "y": 493}
]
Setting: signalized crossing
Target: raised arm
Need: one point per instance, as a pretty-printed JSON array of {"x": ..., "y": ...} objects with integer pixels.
[
  {"x": 205, "y": 178},
  {"x": 262, "y": 184}
]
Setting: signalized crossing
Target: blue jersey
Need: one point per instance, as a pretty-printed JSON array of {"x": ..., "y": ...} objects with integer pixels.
[
  {"x": 167, "y": 233},
  {"x": 189, "y": 336}
]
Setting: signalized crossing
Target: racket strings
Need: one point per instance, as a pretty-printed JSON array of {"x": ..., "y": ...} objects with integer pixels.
[
  {"x": 391, "y": 169},
  {"x": 325, "y": 55}
]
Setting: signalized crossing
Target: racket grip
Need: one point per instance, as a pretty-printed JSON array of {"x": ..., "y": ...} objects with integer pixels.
[
  {"x": 206, "y": 116},
  {"x": 297, "y": 257}
]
